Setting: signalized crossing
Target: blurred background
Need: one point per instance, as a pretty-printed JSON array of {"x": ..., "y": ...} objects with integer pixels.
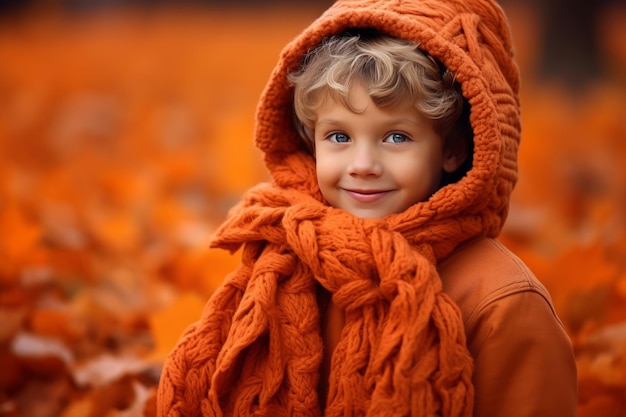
[{"x": 125, "y": 136}]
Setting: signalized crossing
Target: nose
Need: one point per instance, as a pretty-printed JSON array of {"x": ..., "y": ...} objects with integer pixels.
[{"x": 365, "y": 161}]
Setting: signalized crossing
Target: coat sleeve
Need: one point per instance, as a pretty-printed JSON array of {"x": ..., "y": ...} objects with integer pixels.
[{"x": 524, "y": 361}]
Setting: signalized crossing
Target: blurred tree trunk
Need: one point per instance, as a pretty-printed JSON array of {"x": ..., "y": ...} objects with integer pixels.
[{"x": 570, "y": 51}]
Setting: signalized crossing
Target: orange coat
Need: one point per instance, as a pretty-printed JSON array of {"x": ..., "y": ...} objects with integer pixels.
[{"x": 524, "y": 362}]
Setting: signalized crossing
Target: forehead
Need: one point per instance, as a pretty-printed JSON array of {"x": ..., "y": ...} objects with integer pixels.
[
  {"x": 363, "y": 112},
  {"x": 358, "y": 91}
]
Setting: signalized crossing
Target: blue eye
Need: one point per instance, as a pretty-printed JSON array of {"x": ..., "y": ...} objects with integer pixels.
[
  {"x": 339, "y": 137},
  {"x": 396, "y": 138}
]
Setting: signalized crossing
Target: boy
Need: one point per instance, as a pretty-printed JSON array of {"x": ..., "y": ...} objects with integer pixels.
[{"x": 370, "y": 281}]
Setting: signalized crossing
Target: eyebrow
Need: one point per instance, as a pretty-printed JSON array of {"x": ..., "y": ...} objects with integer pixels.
[{"x": 328, "y": 122}]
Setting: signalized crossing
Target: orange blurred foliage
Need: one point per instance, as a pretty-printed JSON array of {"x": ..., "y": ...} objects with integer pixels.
[{"x": 125, "y": 136}]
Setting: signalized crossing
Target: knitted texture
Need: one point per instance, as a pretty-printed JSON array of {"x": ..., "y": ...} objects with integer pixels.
[{"x": 257, "y": 349}]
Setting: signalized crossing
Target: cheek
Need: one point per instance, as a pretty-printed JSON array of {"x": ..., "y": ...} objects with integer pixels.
[
  {"x": 406, "y": 168},
  {"x": 326, "y": 177},
  {"x": 329, "y": 174},
  {"x": 327, "y": 165},
  {"x": 417, "y": 173}
]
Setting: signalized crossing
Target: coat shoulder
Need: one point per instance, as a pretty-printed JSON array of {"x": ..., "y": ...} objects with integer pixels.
[{"x": 484, "y": 271}]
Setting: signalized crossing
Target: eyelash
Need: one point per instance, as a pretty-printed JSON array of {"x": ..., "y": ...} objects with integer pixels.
[
  {"x": 405, "y": 138},
  {"x": 333, "y": 135}
]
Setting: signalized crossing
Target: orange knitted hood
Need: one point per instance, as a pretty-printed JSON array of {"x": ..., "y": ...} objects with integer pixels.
[
  {"x": 257, "y": 350},
  {"x": 471, "y": 38}
]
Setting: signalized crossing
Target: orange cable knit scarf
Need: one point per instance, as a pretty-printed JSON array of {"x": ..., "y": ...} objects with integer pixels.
[{"x": 257, "y": 349}]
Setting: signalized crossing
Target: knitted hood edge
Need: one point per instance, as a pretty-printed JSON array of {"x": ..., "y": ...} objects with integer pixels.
[{"x": 471, "y": 38}]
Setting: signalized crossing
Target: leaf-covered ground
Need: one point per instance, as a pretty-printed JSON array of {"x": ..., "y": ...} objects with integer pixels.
[{"x": 125, "y": 136}]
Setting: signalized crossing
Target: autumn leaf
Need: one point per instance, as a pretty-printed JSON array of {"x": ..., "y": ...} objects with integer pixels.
[{"x": 168, "y": 325}]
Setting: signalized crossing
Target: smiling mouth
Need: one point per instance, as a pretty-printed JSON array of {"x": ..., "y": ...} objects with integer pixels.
[{"x": 366, "y": 196}]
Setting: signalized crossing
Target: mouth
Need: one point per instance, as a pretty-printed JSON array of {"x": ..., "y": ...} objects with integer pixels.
[{"x": 367, "y": 196}]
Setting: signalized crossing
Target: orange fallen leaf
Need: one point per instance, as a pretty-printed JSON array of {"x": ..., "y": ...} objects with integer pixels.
[
  {"x": 116, "y": 230},
  {"x": 12, "y": 375},
  {"x": 57, "y": 323},
  {"x": 202, "y": 269},
  {"x": 167, "y": 325},
  {"x": 604, "y": 405}
]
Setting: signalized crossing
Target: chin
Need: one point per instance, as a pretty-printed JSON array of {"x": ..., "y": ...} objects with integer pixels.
[{"x": 368, "y": 214}]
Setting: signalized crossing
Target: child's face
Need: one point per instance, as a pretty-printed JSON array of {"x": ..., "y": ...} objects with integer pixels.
[{"x": 377, "y": 161}]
